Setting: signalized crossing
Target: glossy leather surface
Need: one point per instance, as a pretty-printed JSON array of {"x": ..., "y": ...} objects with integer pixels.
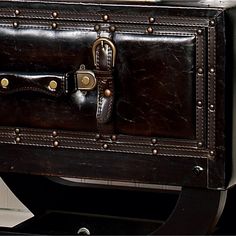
[{"x": 151, "y": 73}]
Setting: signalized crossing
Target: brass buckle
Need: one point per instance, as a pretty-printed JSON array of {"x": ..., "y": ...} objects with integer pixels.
[
  {"x": 101, "y": 41},
  {"x": 86, "y": 79}
]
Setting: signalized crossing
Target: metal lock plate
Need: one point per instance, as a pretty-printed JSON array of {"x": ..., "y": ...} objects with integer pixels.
[{"x": 86, "y": 80}]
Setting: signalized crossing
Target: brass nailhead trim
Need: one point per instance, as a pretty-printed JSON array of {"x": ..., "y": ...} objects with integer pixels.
[
  {"x": 212, "y": 153},
  {"x": 112, "y": 28},
  {"x": 105, "y": 17},
  {"x": 55, "y": 143},
  {"x": 200, "y": 144},
  {"x": 212, "y": 70},
  {"x": 54, "y": 133},
  {"x": 154, "y": 141},
  {"x": 107, "y": 93},
  {"x": 105, "y": 146},
  {"x": 151, "y": 19},
  {"x": 97, "y": 27},
  {"x": 199, "y": 103},
  {"x": 150, "y": 30},
  {"x": 17, "y": 12},
  {"x": 200, "y": 71},
  {"x": 113, "y": 137},
  {"x": 199, "y": 31},
  {"x": 17, "y": 131},
  {"x": 54, "y": 14},
  {"x": 18, "y": 139},
  {"x": 97, "y": 136},
  {"x": 212, "y": 107},
  {"x": 154, "y": 151},
  {"x": 54, "y": 25},
  {"x": 212, "y": 23},
  {"x": 15, "y": 24}
]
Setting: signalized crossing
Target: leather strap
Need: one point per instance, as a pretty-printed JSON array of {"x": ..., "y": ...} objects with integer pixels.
[{"x": 104, "y": 60}]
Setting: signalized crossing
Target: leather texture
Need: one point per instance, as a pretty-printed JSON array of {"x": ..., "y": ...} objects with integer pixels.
[{"x": 160, "y": 107}]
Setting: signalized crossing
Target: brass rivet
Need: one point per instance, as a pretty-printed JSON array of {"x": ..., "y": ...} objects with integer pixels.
[
  {"x": 105, "y": 17},
  {"x": 85, "y": 80},
  {"x": 54, "y": 133},
  {"x": 199, "y": 103},
  {"x": 200, "y": 71},
  {"x": 17, "y": 139},
  {"x": 212, "y": 70},
  {"x": 199, "y": 144},
  {"x": 199, "y": 31},
  {"x": 105, "y": 146},
  {"x": 212, "y": 23},
  {"x": 17, "y": 12},
  {"x": 55, "y": 143},
  {"x": 107, "y": 93},
  {"x": 113, "y": 137},
  {"x": 52, "y": 85},
  {"x": 15, "y": 24},
  {"x": 151, "y": 19},
  {"x": 54, "y": 25},
  {"x": 154, "y": 151},
  {"x": 212, "y": 153},
  {"x": 112, "y": 28},
  {"x": 54, "y": 14},
  {"x": 150, "y": 30},
  {"x": 212, "y": 107},
  {"x": 97, "y": 136},
  {"x": 97, "y": 27},
  {"x": 17, "y": 131},
  {"x": 154, "y": 141},
  {"x": 4, "y": 83}
]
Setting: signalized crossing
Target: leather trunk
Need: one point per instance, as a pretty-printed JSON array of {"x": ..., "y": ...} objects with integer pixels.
[{"x": 121, "y": 93}]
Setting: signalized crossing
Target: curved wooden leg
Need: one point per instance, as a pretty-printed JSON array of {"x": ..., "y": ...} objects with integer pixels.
[{"x": 197, "y": 212}]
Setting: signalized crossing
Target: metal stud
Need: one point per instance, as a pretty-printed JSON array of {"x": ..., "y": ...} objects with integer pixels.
[
  {"x": 107, "y": 93},
  {"x": 17, "y": 139},
  {"x": 15, "y": 24},
  {"x": 12, "y": 168},
  {"x": 55, "y": 143},
  {"x": 54, "y": 25},
  {"x": 199, "y": 103},
  {"x": 212, "y": 107},
  {"x": 52, "y": 85},
  {"x": 154, "y": 151},
  {"x": 200, "y": 71},
  {"x": 105, "y": 17},
  {"x": 199, "y": 144},
  {"x": 54, "y": 14},
  {"x": 212, "y": 153},
  {"x": 54, "y": 133},
  {"x": 4, "y": 83},
  {"x": 17, "y": 131},
  {"x": 113, "y": 137},
  {"x": 199, "y": 31},
  {"x": 105, "y": 146},
  {"x": 212, "y": 70},
  {"x": 97, "y": 27},
  {"x": 17, "y": 12},
  {"x": 97, "y": 136},
  {"x": 154, "y": 141},
  {"x": 151, "y": 19},
  {"x": 112, "y": 28},
  {"x": 212, "y": 22},
  {"x": 150, "y": 30}
]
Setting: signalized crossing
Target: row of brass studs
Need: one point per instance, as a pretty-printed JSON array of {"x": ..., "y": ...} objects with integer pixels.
[{"x": 5, "y": 83}]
